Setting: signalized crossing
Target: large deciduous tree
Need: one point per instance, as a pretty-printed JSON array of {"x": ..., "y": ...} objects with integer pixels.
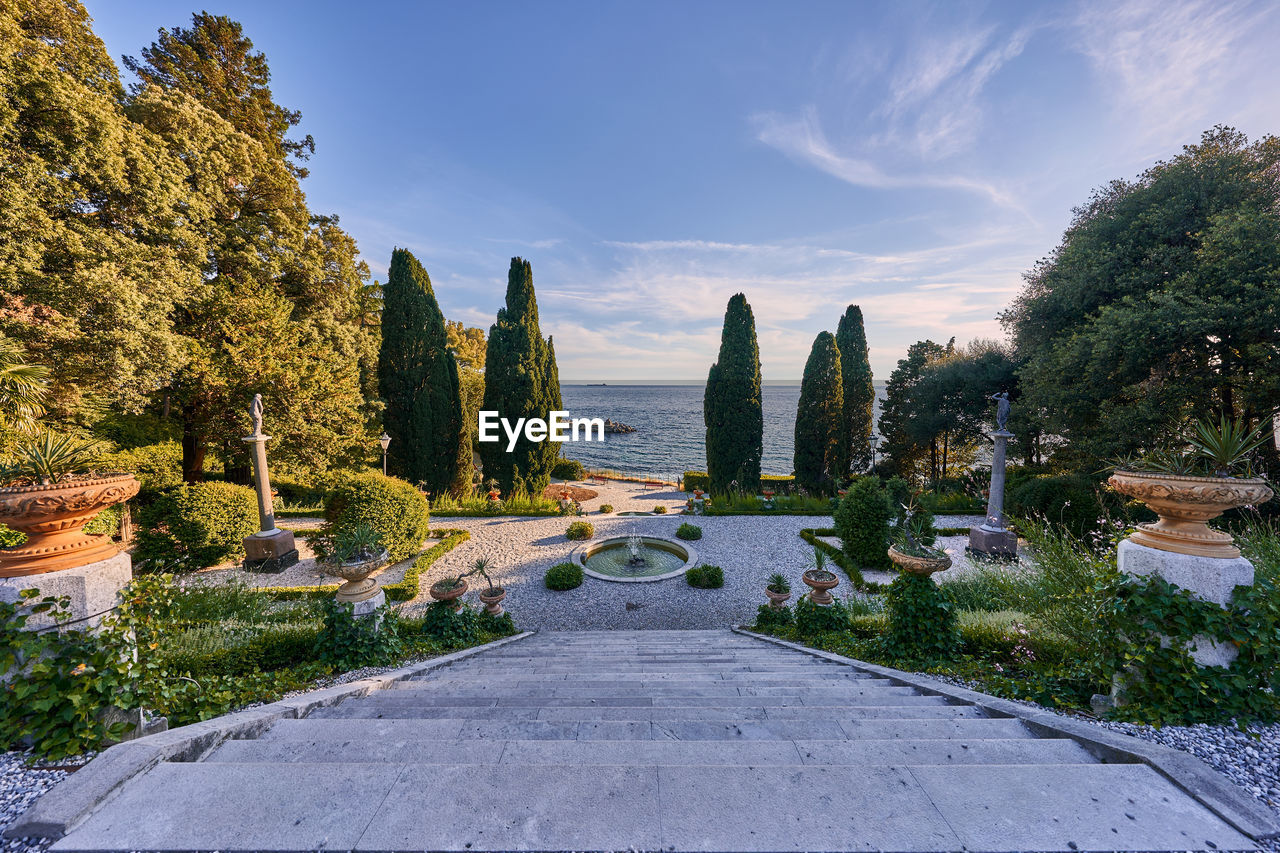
[
  {"x": 732, "y": 407},
  {"x": 521, "y": 381},
  {"x": 820, "y": 428},
  {"x": 418, "y": 380},
  {"x": 907, "y": 456},
  {"x": 859, "y": 392},
  {"x": 1160, "y": 303}
]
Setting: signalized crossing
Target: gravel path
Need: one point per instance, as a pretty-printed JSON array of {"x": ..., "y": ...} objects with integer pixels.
[{"x": 20, "y": 786}]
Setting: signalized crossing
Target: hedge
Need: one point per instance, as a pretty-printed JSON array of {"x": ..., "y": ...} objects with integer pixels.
[
  {"x": 394, "y": 508},
  {"x": 782, "y": 484},
  {"x": 274, "y": 647},
  {"x": 196, "y": 526},
  {"x": 403, "y": 590},
  {"x": 811, "y": 534}
]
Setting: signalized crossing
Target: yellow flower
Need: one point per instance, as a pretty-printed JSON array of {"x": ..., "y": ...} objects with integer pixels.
[{"x": 79, "y": 670}]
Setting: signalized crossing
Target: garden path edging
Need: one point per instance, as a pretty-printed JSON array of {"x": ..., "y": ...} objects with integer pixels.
[
  {"x": 72, "y": 800},
  {"x": 1216, "y": 793}
]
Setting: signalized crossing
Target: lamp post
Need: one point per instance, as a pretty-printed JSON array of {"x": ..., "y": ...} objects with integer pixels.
[
  {"x": 385, "y": 441},
  {"x": 873, "y": 440}
]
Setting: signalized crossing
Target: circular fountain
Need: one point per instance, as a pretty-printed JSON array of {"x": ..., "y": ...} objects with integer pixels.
[{"x": 634, "y": 559}]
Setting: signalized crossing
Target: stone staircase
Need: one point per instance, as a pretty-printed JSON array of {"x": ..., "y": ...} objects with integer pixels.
[{"x": 651, "y": 740}]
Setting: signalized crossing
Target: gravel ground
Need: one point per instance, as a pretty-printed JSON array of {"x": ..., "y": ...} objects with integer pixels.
[{"x": 20, "y": 786}]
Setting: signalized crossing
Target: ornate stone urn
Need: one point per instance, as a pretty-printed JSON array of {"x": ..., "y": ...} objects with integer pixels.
[
  {"x": 821, "y": 582},
  {"x": 1184, "y": 505},
  {"x": 918, "y": 565},
  {"x": 53, "y": 517},
  {"x": 777, "y": 599},
  {"x": 492, "y": 600},
  {"x": 359, "y": 586},
  {"x": 449, "y": 596}
]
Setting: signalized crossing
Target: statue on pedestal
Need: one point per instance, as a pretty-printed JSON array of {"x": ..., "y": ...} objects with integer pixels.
[
  {"x": 270, "y": 549},
  {"x": 991, "y": 538}
]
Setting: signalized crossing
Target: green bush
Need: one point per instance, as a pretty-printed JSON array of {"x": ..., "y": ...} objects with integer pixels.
[
  {"x": 568, "y": 469},
  {"x": 235, "y": 648},
  {"x": 1073, "y": 502},
  {"x": 452, "y": 628},
  {"x": 862, "y": 523},
  {"x": 10, "y": 537},
  {"x": 813, "y": 619},
  {"x": 867, "y": 626},
  {"x": 108, "y": 521},
  {"x": 705, "y": 577},
  {"x": 392, "y": 507},
  {"x": 579, "y": 530},
  {"x": 156, "y": 466},
  {"x": 689, "y": 532},
  {"x": 347, "y": 641},
  {"x": 606, "y": 508},
  {"x": 660, "y": 510},
  {"x": 695, "y": 480},
  {"x": 196, "y": 526},
  {"x": 922, "y": 623},
  {"x": 772, "y": 619},
  {"x": 564, "y": 576}
]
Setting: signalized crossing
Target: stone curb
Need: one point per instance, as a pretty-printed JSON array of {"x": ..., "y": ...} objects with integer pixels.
[
  {"x": 71, "y": 801},
  {"x": 1218, "y": 794}
]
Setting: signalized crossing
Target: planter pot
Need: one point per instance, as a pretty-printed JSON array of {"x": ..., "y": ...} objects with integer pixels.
[
  {"x": 777, "y": 599},
  {"x": 359, "y": 586},
  {"x": 492, "y": 601},
  {"x": 821, "y": 586},
  {"x": 1184, "y": 504},
  {"x": 449, "y": 596},
  {"x": 919, "y": 565},
  {"x": 53, "y": 518}
]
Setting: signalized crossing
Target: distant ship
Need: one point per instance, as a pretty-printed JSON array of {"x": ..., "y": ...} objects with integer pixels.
[{"x": 597, "y": 384}]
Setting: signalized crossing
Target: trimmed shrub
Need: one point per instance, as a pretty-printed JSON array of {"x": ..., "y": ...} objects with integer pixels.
[
  {"x": 922, "y": 622},
  {"x": 228, "y": 648},
  {"x": 156, "y": 466},
  {"x": 705, "y": 577},
  {"x": 813, "y": 619},
  {"x": 862, "y": 522},
  {"x": 1072, "y": 502},
  {"x": 689, "y": 532},
  {"x": 695, "y": 480},
  {"x": 579, "y": 530},
  {"x": 196, "y": 526},
  {"x": 771, "y": 619},
  {"x": 606, "y": 507},
  {"x": 564, "y": 576},
  {"x": 390, "y": 506},
  {"x": 660, "y": 510},
  {"x": 568, "y": 469}
]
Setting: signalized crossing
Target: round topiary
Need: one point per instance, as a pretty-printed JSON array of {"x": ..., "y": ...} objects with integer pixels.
[
  {"x": 580, "y": 530},
  {"x": 922, "y": 622},
  {"x": 568, "y": 469},
  {"x": 196, "y": 526},
  {"x": 689, "y": 532},
  {"x": 660, "y": 510},
  {"x": 862, "y": 522},
  {"x": 705, "y": 577},
  {"x": 564, "y": 576},
  {"x": 390, "y": 506},
  {"x": 606, "y": 507}
]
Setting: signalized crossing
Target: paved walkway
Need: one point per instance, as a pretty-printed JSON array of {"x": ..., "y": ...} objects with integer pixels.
[{"x": 671, "y": 740}]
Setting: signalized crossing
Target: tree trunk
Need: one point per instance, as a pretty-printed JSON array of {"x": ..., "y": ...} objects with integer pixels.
[{"x": 194, "y": 446}]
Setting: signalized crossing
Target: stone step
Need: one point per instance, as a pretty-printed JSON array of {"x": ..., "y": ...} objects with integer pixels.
[
  {"x": 656, "y": 752},
  {"x": 398, "y": 806},
  {"x": 445, "y": 682},
  {"x": 413, "y": 690},
  {"x": 406, "y": 700},
  {"x": 817, "y": 678},
  {"x": 491, "y": 669},
  {"x": 406, "y": 726},
  {"x": 776, "y": 712}
]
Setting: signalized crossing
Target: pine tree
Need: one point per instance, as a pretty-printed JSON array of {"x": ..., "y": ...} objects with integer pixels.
[
  {"x": 732, "y": 408},
  {"x": 859, "y": 392},
  {"x": 820, "y": 418},
  {"x": 521, "y": 381},
  {"x": 418, "y": 380}
]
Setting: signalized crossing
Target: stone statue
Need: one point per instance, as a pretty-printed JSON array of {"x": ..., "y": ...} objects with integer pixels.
[
  {"x": 1002, "y": 410},
  {"x": 255, "y": 413}
]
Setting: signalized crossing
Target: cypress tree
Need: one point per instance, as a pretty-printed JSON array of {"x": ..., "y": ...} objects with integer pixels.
[
  {"x": 859, "y": 392},
  {"x": 521, "y": 381},
  {"x": 820, "y": 418},
  {"x": 732, "y": 408},
  {"x": 418, "y": 380}
]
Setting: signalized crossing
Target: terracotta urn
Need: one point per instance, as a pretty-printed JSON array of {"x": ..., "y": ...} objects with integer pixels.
[
  {"x": 1184, "y": 505},
  {"x": 821, "y": 582},
  {"x": 359, "y": 586},
  {"x": 53, "y": 517},
  {"x": 452, "y": 597},
  {"x": 777, "y": 600},
  {"x": 918, "y": 565},
  {"x": 492, "y": 600}
]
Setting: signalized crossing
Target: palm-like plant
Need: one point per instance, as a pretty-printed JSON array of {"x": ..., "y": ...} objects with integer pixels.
[
  {"x": 49, "y": 458},
  {"x": 22, "y": 388},
  {"x": 1227, "y": 444}
]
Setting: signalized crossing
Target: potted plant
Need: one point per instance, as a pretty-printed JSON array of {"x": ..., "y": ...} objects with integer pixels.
[
  {"x": 451, "y": 589},
  {"x": 352, "y": 553},
  {"x": 820, "y": 580},
  {"x": 912, "y": 550},
  {"x": 1194, "y": 483},
  {"x": 494, "y": 496},
  {"x": 49, "y": 493},
  {"x": 492, "y": 597},
  {"x": 778, "y": 590}
]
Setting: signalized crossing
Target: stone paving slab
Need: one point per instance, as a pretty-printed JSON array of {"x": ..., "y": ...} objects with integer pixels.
[{"x": 944, "y": 751}]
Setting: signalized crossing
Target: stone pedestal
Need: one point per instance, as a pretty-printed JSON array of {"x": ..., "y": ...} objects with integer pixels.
[
  {"x": 369, "y": 606},
  {"x": 1209, "y": 578},
  {"x": 93, "y": 589},
  {"x": 992, "y": 538},
  {"x": 270, "y": 551}
]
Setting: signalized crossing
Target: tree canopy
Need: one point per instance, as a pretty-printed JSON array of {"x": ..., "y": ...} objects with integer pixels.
[
  {"x": 732, "y": 406},
  {"x": 820, "y": 425},
  {"x": 859, "y": 391}
]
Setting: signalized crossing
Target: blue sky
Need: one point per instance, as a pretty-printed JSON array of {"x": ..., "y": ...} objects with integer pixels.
[{"x": 651, "y": 159}]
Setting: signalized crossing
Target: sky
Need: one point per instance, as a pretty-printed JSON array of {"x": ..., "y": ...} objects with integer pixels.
[{"x": 652, "y": 159}]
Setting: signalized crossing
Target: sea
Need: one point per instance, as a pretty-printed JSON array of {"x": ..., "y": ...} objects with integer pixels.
[{"x": 670, "y": 435}]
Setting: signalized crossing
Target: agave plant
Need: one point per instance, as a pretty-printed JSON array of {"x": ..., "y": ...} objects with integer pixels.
[
  {"x": 349, "y": 544},
  {"x": 778, "y": 584},
  {"x": 1226, "y": 446},
  {"x": 49, "y": 458}
]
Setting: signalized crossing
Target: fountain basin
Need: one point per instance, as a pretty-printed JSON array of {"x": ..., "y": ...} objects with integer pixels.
[{"x": 608, "y": 559}]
